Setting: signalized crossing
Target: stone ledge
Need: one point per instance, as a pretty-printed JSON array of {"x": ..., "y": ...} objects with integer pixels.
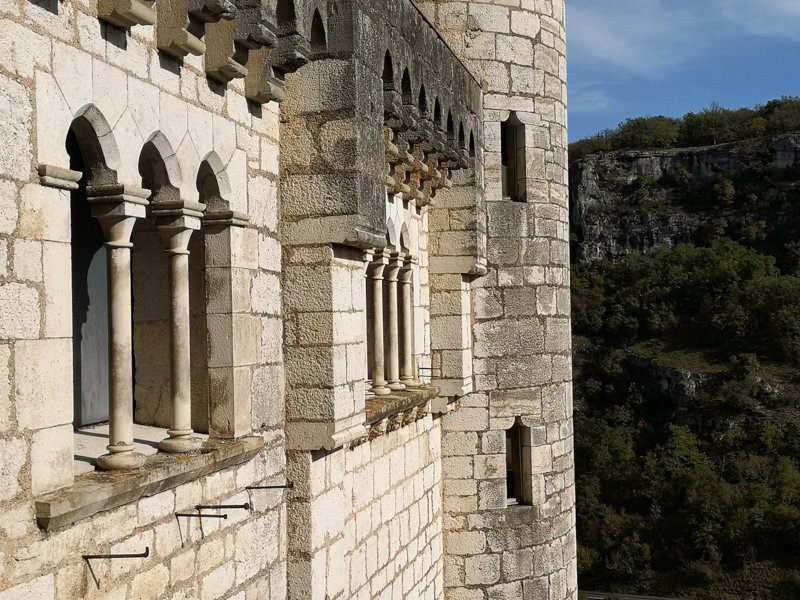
[
  {"x": 379, "y": 408},
  {"x": 103, "y": 490}
]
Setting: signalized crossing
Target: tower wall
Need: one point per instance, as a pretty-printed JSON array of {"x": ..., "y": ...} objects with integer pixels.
[{"x": 521, "y": 320}]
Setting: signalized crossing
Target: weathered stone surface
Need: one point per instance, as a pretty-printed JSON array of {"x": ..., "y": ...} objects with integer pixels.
[
  {"x": 43, "y": 383},
  {"x": 16, "y": 111},
  {"x": 15, "y": 455}
]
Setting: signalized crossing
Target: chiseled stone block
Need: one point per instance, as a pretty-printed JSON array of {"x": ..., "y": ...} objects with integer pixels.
[
  {"x": 51, "y": 459},
  {"x": 14, "y": 454},
  {"x": 42, "y": 588},
  {"x": 43, "y": 382}
]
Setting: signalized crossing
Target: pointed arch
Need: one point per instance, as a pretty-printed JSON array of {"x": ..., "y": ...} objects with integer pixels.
[
  {"x": 213, "y": 184},
  {"x": 159, "y": 168},
  {"x": 388, "y": 72},
  {"x": 405, "y": 238},
  {"x": 437, "y": 114},
  {"x": 96, "y": 143},
  {"x": 285, "y": 15},
  {"x": 423, "y": 101},
  {"x": 461, "y": 139},
  {"x": 471, "y": 143},
  {"x": 451, "y": 132},
  {"x": 405, "y": 87},
  {"x": 319, "y": 39}
]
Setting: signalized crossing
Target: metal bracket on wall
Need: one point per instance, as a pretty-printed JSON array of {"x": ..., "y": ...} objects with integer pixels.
[
  {"x": 197, "y": 515},
  {"x": 90, "y": 557}
]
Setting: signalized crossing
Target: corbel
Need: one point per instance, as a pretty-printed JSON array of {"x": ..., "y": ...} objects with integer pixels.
[
  {"x": 181, "y": 24},
  {"x": 230, "y": 43},
  {"x": 292, "y": 51},
  {"x": 126, "y": 13},
  {"x": 262, "y": 84},
  {"x": 393, "y": 111}
]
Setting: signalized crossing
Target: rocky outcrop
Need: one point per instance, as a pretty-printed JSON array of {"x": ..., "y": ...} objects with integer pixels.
[{"x": 639, "y": 200}]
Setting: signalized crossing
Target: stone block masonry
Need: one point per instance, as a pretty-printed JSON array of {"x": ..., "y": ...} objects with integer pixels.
[
  {"x": 521, "y": 320},
  {"x": 195, "y": 198}
]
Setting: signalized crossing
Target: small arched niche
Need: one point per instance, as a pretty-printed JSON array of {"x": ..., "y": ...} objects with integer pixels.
[{"x": 319, "y": 39}]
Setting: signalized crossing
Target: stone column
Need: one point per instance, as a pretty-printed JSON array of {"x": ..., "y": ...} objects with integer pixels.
[
  {"x": 407, "y": 372},
  {"x": 176, "y": 224},
  {"x": 376, "y": 273},
  {"x": 117, "y": 207},
  {"x": 393, "y": 354}
]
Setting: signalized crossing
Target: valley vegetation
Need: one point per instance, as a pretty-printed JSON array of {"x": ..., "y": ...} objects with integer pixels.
[{"x": 687, "y": 396}]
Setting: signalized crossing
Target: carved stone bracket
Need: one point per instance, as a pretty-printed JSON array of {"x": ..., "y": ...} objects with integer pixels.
[
  {"x": 126, "y": 13},
  {"x": 230, "y": 43},
  {"x": 181, "y": 24}
]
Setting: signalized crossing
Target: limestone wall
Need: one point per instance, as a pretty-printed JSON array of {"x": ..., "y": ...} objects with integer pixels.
[
  {"x": 521, "y": 318},
  {"x": 58, "y": 61},
  {"x": 369, "y": 518}
]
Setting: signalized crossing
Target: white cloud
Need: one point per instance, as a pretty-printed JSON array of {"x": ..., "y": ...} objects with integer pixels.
[
  {"x": 639, "y": 36},
  {"x": 588, "y": 99},
  {"x": 772, "y": 18}
]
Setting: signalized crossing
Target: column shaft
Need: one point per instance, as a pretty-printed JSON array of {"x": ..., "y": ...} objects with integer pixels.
[
  {"x": 120, "y": 362},
  {"x": 393, "y": 351},
  {"x": 378, "y": 373},
  {"x": 176, "y": 228},
  {"x": 407, "y": 374}
]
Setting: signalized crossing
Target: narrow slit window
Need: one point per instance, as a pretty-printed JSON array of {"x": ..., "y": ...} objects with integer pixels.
[
  {"x": 512, "y": 159},
  {"x": 513, "y": 466}
]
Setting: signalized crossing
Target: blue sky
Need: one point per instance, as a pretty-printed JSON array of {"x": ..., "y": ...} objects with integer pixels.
[{"x": 631, "y": 58}]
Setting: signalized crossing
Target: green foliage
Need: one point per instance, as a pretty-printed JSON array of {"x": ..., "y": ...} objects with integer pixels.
[
  {"x": 712, "y": 125},
  {"x": 698, "y": 501},
  {"x": 736, "y": 297},
  {"x": 724, "y": 191}
]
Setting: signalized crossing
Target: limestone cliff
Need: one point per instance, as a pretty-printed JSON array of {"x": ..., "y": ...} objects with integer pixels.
[{"x": 638, "y": 200}]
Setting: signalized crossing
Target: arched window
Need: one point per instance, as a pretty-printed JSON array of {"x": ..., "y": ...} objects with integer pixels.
[
  {"x": 388, "y": 72},
  {"x": 423, "y": 101},
  {"x": 405, "y": 88},
  {"x": 319, "y": 43}
]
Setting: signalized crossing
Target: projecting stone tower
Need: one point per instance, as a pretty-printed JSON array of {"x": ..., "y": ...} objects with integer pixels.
[{"x": 508, "y": 451}]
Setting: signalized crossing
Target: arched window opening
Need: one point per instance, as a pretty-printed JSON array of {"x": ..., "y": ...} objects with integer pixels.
[
  {"x": 285, "y": 16},
  {"x": 512, "y": 159},
  {"x": 461, "y": 140},
  {"x": 405, "y": 88},
  {"x": 89, "y": 296},
  {"x": 388, "y": 72},
  {"x": 150, "y": 296},
  {"x": 451, "y": 129},
  {"x": 437, "y": 114},
  {"x": 471, "y": 144},
  {"x": 423, "y": 102},
  {"x": 319, "y": 43}
]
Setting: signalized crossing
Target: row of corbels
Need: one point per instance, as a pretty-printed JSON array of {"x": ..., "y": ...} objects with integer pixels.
[{"x": 244, "y": 42}]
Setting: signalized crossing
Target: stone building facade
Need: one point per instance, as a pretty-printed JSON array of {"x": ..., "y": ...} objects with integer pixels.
[{"x": 284, "y": 300}]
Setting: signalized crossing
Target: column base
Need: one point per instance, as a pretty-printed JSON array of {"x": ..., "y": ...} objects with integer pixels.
[
  {"x": 380, "y": 390},
  {"x": 410, "y": 383},
  {"x": 120, "y": 458},
  {"x": 180, "y": 444},
  {"x": 396, "y": 386}
]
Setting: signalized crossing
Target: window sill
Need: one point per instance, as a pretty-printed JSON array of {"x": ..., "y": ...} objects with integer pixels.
[
  {"x": 379, "y": 408},
  {"x": 97, "y": 491}
]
